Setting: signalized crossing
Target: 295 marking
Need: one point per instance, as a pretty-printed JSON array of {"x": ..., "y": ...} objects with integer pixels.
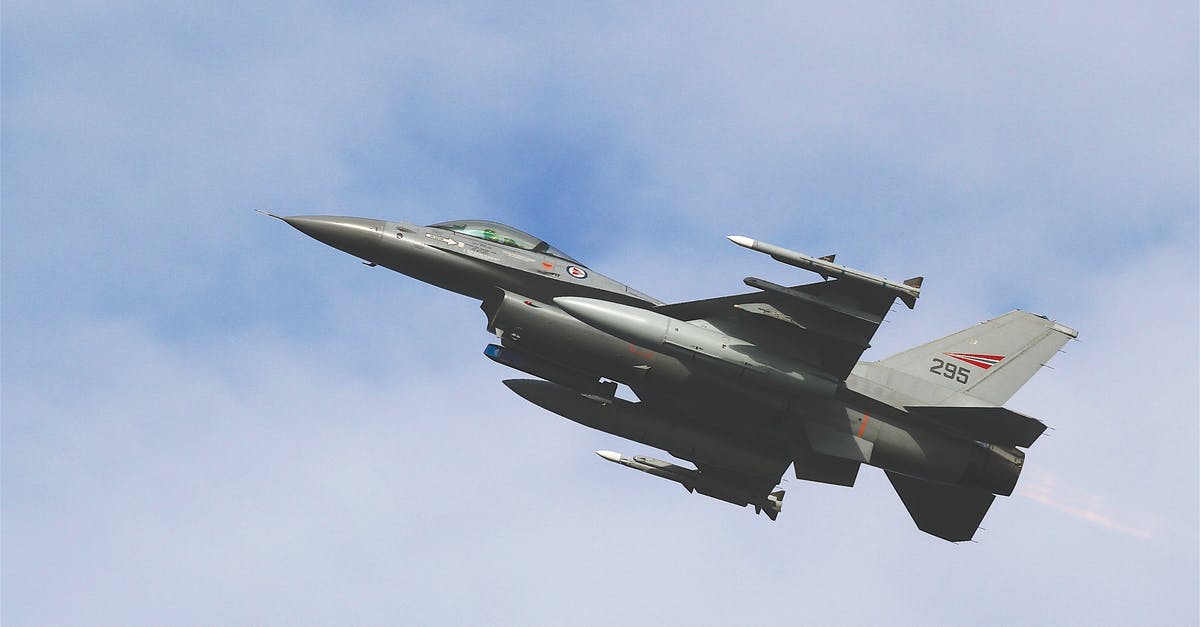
[{"x": 950, "y": 371}]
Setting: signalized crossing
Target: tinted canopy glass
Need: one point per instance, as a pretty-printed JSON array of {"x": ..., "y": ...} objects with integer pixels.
[{"x": 502, "y": 234}]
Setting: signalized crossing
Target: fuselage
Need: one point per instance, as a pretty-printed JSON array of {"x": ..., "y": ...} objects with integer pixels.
[{"x": 464, "y": 262}]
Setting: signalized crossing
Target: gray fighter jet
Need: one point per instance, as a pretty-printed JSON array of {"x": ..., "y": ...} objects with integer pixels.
[{"x": 741, "y": 386}]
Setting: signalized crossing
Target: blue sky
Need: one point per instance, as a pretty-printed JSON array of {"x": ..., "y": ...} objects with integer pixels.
[{"x": 210, "y": 419}]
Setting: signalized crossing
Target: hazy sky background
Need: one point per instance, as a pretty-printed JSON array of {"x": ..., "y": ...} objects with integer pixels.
[{"x": 209, "y": 418}]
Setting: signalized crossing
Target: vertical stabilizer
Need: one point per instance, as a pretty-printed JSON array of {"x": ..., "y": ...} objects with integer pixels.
[{"x": 988, "y": 362}]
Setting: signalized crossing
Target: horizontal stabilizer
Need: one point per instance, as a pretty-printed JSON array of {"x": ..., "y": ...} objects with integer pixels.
[
  {"x": 948, "y": 512},
  {"x": 995, "y": 425}
]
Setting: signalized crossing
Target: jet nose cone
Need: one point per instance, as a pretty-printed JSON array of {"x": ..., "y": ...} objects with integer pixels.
[{"x": 357, "y": 236}]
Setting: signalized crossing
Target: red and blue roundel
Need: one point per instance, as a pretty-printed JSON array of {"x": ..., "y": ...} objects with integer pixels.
[{"x": 577, "y": 272}]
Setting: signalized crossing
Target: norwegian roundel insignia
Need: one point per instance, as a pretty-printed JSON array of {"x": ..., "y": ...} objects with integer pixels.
[{"x": 577, "y": 272}]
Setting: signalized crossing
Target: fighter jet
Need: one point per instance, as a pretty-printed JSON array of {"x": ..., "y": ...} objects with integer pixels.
[{"x": 741, "y": 386}]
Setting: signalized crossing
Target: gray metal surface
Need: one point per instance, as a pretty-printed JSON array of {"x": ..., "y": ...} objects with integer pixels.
[{"x": 745, "y": 385}]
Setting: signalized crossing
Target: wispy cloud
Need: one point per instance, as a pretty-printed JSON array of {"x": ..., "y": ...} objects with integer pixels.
[{"x": 208, "y": 403}]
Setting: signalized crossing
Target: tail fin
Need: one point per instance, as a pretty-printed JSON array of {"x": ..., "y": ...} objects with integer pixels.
[{"x": 988, "y": 362}]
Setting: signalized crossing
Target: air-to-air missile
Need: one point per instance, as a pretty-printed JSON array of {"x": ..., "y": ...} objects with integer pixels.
[
  {"x": 908, "y": 291},
  {"x": 695, "y": 481}
]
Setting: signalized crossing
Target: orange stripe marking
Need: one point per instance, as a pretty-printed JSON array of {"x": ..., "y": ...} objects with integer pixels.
[{"x": 863, "y": 427}]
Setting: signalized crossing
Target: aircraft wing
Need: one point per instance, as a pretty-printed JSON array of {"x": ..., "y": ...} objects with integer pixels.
[
  {"x": 722, "y": 476},
  {"x": 829, "y": 323}
]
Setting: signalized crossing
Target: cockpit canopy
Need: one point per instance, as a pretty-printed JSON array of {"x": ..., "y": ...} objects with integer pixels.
[{"x": 502, "y": 234}]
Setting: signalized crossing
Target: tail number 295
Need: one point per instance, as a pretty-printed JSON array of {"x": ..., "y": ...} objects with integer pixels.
[{"x": 950, "y": 371}]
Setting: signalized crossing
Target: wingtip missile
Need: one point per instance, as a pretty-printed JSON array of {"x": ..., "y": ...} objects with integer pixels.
[
  {"x": 907, "y": 291},
  {"x": 610, "y": 456}
]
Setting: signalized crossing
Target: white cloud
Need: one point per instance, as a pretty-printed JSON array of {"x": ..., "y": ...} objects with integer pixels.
[{"x": 210, "y": 419}]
